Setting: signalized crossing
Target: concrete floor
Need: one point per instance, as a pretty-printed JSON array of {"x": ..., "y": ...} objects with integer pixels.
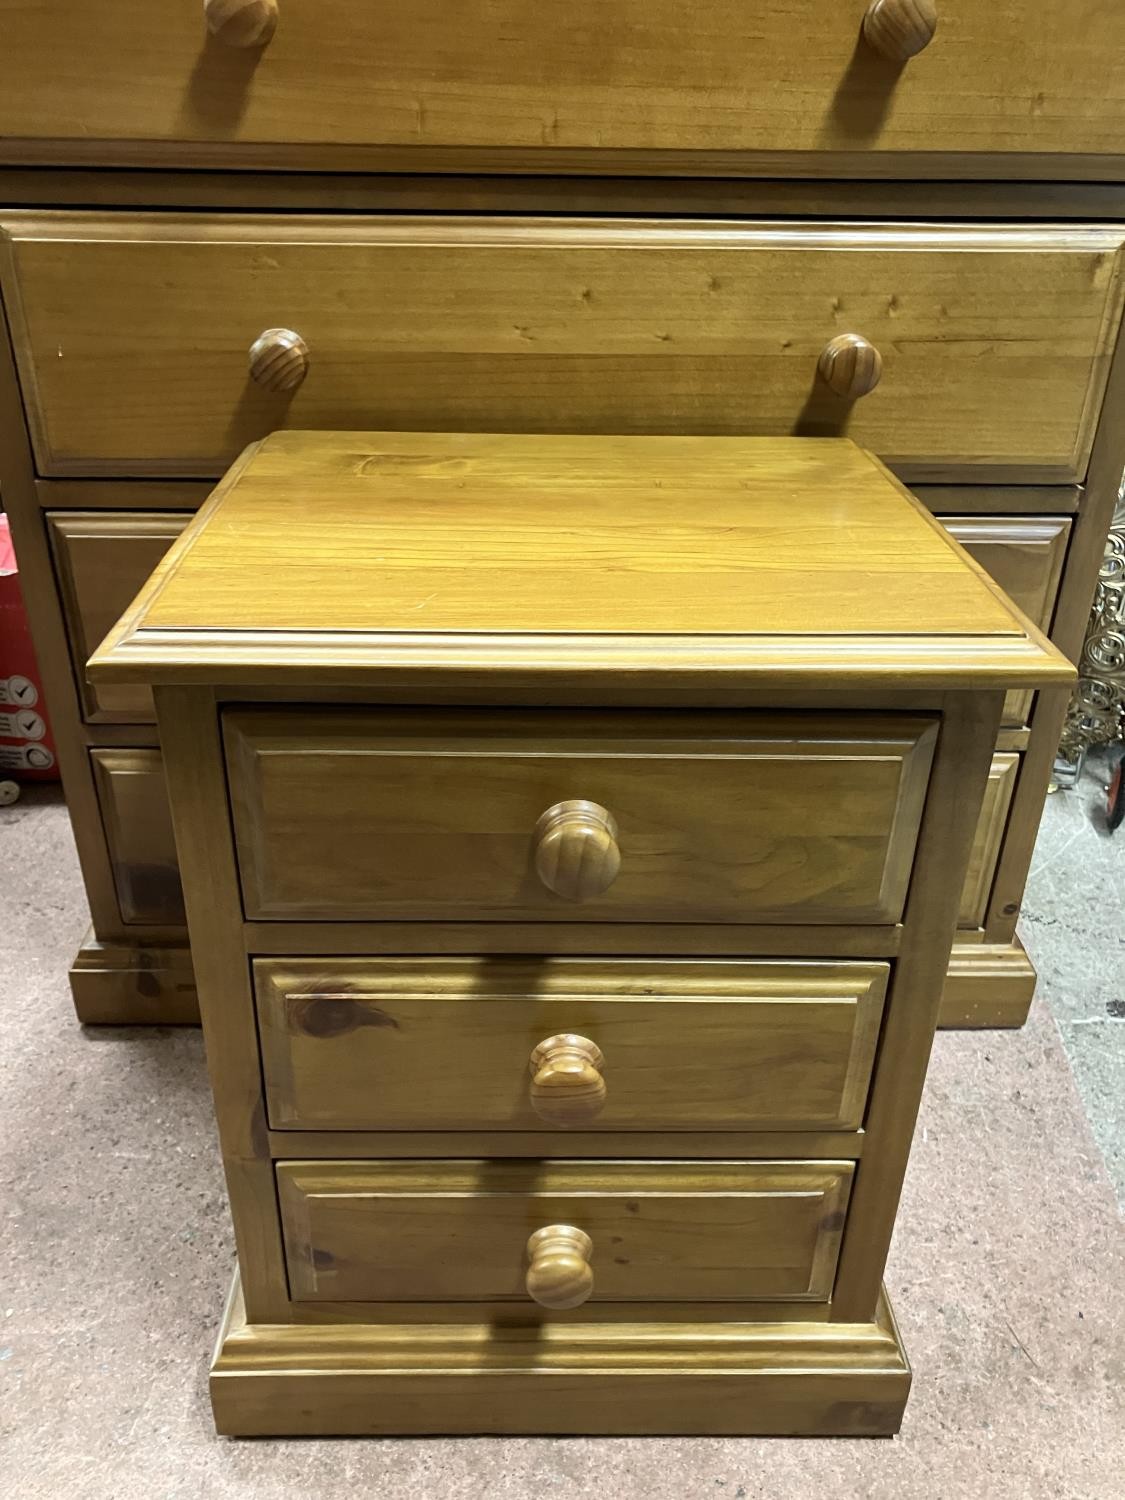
[{"x": 1007, "y": 1269}]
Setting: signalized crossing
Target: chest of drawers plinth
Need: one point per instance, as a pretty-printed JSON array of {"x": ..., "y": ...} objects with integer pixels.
[{"x": 571, "y": 882}]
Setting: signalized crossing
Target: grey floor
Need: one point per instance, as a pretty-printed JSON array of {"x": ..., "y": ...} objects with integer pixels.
[{"x": 1008, "y": 1271}]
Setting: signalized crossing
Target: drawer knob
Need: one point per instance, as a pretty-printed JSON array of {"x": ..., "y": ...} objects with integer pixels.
[
  {"x": 279, "y": 359},
  {"x": 576, "y": 853},
  {"x": 559, "y": 1275},
  {"x": 850, "y": 365},
  {"x": 567, "y": 1087},
  {"x": 899, "y": 29},
  {"x": 241, "y": 23}
]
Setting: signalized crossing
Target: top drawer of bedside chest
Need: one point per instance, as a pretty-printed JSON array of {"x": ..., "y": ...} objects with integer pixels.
[
  {"x": 373, "y": 814},
  {"x": 132, "y": 334},
  {"x": 500, "y": 84}
]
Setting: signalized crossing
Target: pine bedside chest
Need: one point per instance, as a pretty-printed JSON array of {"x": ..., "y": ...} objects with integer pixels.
[{"x": 572, "y": 832}]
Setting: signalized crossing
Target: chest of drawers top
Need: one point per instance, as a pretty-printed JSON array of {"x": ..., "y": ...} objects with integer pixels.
[
  {"x": 933, "y": 88},
  {"x": 388, "y": 559}
]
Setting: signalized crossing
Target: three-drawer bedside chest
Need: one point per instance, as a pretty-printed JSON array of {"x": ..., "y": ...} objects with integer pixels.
[{"x": 572, "y": 832}]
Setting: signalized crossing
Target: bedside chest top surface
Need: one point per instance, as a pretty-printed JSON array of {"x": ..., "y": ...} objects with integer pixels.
[{"x": 351, "y": 554}]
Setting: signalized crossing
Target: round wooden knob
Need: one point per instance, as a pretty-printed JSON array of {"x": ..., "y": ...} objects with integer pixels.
[
  {"x": 567, "y": 1087},
  {"x": 241, "y": 23},
  {"x": 559, "y": 1275},
  {"x": 899, "y": 29},
  {"x": 850, "y": 365},
  {"x": 576, "y": 853},
  {"x": 279, "y": 359}
]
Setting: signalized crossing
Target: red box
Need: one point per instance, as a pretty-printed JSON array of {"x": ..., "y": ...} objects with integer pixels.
[{"x": 27, "y": 750}]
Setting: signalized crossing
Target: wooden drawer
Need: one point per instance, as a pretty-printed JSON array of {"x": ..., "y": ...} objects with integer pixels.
[
  {"x": 1025, "y": 555},
  {"x": 400, "y": 1231},
  {"x": 138, "y": 831},
  {"x": 994, "y": 340},
  {"x": 504, "y": 85},
  {"x": 988, "y": 839},
  {"x": 446, "y": 1044},
  {"x": 718, "y": 817},
  {"x": 101, "y": 560}
]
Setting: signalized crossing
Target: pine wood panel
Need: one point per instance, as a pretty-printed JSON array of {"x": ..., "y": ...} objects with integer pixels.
[
  {"x": 138, "y": 832},
  {"x": 547, "y": 1144},
  {"x": 139, "y": 983},
  {"x": 988, "y": 839},
  {"x": 40, "y": 593},
  {"x": 418, "y": 533},
  {"x": 994, "y": 340},
  {"x": 440, "y": 1374},
  {"x": 1025, "y": 555},
  {"x": 184, "y": 495},
  {"x": 430, "y": 1044},
  {"x": 987, "y": 985},
  {"x": 190, "y": 734},
  {"x": 506, "y": 85},
  {"x": 101, "y": 560},
  {"x": 721, "y": 817},
  {"x": 661, "y": 1231},
  {"x": 649, "y": 564},
  {"x": 582, "y": 939},
  {"x": 957, "y": 787}
]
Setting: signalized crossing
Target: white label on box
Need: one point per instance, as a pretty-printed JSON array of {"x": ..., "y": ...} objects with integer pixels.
[
  {"x": 20, "y": 691},
  {"x": 24, "y": 724},
  {"x": 25, "y": 758}
]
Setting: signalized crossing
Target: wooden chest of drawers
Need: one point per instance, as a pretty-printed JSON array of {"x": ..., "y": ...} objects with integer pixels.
[
  {"x": 571, "y": 908},
  {"x": 264, "y": 214}
]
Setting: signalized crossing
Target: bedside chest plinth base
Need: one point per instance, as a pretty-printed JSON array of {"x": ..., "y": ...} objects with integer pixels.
[{"x": 608, "y": 1379}]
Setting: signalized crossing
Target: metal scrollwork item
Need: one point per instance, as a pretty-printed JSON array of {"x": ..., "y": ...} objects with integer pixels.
[{"x": 1097, "y": 711}]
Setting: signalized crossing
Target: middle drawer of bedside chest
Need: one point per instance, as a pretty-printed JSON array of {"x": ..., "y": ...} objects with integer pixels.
[
  {"x": 679, "y": 1044},
  {"x": 731, "y": 817}
]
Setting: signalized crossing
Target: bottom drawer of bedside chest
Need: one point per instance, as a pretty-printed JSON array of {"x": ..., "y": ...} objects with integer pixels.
[{"x": 656, "y": 1231}]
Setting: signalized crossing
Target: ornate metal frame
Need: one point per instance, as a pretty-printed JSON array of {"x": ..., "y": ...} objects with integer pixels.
[{"x": 1097, "y": 711}]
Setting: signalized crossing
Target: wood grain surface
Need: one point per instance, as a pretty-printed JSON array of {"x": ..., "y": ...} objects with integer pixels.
[
  {"x": 371, "y": 815},
  {"x": 672, "y": 562},
  {"x": 443, "y": 1044},
  {"x": 900, "y": 29},
  {"x": 1025, "y": 555},
  {"x": 138, "y": 833},
  {"x": 559, "y": 1275},
  {"x": 988, "y": 838},
  {"x": 789, "y": 1374},
  {"x": 994, "y": 339},
  {"x": 505, "y": 85},
  {"x": 661, "y": 1231},
  {"x": 431, "y": 532},
  {"x": 101, "y": 560}
]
